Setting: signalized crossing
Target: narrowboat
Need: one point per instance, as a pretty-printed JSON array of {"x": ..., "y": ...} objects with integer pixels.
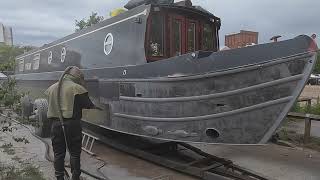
[{"x": 158, "y": 72}]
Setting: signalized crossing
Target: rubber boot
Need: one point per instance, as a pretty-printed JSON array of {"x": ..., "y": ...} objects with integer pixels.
[{"x": 60, "y": 177}]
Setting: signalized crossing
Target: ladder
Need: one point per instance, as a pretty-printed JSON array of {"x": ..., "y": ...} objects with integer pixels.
[{"x": 88, "y": 142}]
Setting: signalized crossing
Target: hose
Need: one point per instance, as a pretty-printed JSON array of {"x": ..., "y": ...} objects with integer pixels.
[
  {"x": 47, "y": 157},
  {"x": 60, "y": 111}
]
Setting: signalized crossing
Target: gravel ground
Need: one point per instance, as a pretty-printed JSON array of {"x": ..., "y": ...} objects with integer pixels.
[{"x": 32, "y": 153}]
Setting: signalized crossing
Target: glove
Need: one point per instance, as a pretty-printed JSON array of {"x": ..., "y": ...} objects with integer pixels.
[{"x": 98, "y": 108}]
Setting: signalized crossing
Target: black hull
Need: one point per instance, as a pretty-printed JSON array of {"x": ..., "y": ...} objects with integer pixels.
[{"x": 233, "y": 97}]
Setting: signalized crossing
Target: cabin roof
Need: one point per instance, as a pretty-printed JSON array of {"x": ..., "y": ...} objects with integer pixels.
[{"x": 194, "y": 9}]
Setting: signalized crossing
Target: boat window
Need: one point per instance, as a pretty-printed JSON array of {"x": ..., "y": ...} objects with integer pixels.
[
  {"x": 207, "y": 37},
  {"x": 177, "y": 29},
  {"x": 21, "y": 65},
  {"x": 28, "y": 66},
  {"x": 50, "y": 57},
  {"x": 191, "y": 37},
  {"x": 36, "y": 61},
  {"x": 156, "y": 41}
]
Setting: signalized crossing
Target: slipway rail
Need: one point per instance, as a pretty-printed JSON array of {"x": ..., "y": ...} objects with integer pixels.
[{"x": 178, "y": 156}]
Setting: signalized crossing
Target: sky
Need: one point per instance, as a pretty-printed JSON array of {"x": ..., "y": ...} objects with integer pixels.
[{"x": 38, "y": 22}]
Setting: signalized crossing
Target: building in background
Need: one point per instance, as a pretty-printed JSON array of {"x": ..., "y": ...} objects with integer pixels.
[
  {"x": 6, "y": 35},
  {"x": 242, "y": 39}
]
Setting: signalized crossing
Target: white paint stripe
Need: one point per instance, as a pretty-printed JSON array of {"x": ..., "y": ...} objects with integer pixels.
[{"x": 142, "y": 13}]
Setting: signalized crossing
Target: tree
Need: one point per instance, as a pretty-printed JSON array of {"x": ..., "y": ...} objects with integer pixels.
[
  {"x": 317, "y": 67},
  {"x": 84, "y": 23},
  {"x": 8, "y": 55}
]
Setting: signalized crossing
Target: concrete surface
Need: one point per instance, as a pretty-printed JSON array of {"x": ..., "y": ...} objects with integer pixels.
[{"x": 273, "y": 161}]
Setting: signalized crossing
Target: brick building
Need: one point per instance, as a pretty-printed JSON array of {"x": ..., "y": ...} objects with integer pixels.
[
  {"x": 6, "y": 35},
  {"x": 242, "y": 39}
]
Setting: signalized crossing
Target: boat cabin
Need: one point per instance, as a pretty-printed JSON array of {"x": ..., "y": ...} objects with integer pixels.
[
  {"x": 147, "y": 32},
  {"x": 179, "y": 29}
]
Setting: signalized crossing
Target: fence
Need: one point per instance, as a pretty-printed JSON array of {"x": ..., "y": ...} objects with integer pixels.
[{"x": 307, "y": 117}]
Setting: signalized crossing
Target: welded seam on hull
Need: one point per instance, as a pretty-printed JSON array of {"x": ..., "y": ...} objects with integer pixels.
[
  {"x": 166, "y": 139},
  {"x": 185, "y": 78},
  {"x": 144, "y": 12},
  {"x": 307, "y": 72},
  {"x": 237, "y": 69},
  {"x": 217, "y": 95},
  {"x": 211, "y": 116}
]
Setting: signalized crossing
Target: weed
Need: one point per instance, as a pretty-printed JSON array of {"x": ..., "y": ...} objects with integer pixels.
[
  {"x": 9, "y": 151},
  {"x": 298, "y": 139},
  {"x": 7, "y": 148},
  {"x": 28, "y": 172},
  {"x": 6, "y": 145},
  {"x": 16, "y": 158},
  {"x": 314, "y": 109}
]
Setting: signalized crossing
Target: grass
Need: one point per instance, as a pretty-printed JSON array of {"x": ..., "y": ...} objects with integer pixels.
[
  {"x": 16, "y": 158},
  {"x": 27, "y": 172},
  {"x": 298, "y": 139},
  {"x": 7, "y": 148},
  {"x": 314, "y": 109}
]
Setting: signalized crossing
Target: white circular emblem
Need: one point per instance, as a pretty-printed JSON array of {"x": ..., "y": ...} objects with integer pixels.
[
  {"x": 63, "y": 54},
  {"x": 50, "y": 57},
  {"x": 108, "y": 44}
]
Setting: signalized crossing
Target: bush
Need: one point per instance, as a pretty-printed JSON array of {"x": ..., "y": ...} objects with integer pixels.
[
  {"x": 314, "y": 109},
  {"x": 9, "y": 95}
]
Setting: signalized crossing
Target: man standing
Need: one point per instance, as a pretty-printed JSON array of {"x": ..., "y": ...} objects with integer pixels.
[{"x": 73, "y": 98}]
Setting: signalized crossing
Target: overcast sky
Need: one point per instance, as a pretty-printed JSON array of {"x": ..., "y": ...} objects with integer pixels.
[{"x": 36, "y": 22}]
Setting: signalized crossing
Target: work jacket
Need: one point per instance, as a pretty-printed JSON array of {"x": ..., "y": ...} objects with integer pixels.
[{"x": 73, "y": 98}]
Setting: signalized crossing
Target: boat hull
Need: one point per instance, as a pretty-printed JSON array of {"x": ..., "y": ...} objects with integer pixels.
[{"x": 234, "y": 97}]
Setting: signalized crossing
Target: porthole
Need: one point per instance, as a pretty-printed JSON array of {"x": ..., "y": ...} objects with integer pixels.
[
  {"x": 108, "y": 44},
  {"x": 50, "y": 57},
  {"x": 63, "y": 54}
]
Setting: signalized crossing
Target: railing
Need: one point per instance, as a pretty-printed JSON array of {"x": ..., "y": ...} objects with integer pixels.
[{"x": 307, "y": 117}]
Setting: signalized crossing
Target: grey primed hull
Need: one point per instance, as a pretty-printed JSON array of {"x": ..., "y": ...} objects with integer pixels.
[
  {"x": 243, "y": 95},
  {"x": 245, "y": 105}
]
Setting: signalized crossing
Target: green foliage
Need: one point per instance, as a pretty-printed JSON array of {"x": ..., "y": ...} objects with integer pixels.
[
  {"x": 84, "y": 23},
  {"x": 9, "y": 95},
  {"x": 317, "y": 67},
  {"x": 28, "y": 172},
  {"x": 298, "y": 139},
  {"x": 314, "y": 109},
  {"x": 8, "y": 55}
]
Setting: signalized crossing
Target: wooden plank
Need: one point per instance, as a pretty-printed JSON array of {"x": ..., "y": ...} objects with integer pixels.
[
  {"x": 313, "y": 117},
  {"x": 307, "y": 130},
  {"x": 302, "y": 99}
]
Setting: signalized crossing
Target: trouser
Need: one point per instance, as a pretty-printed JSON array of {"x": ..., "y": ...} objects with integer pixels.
[{"x": 73, "y": 131}]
